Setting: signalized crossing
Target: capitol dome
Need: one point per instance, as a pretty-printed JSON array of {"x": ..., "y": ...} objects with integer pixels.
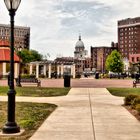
[{"x": 79, "y": 43}]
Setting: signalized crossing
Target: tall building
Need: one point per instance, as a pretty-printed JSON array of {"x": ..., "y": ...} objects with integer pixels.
[
  {"x": 129, "y": 36},
  {"x": 99, "y": 56},
  {"x": 22, "y": 36}
]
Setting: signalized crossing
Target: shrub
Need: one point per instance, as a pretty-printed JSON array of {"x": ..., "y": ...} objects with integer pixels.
[
  {"x": 32, "y": 76},
  {"x": 28, "y": 76},
  {"x": 138, "y": 108},
  {"x": 78, "y": 76},
  {"x": 42, "y": 76},
  {"x": 105, "y": 75},
  {"x": 129, "y": 99},
  {"x": 135, "y": 102}
]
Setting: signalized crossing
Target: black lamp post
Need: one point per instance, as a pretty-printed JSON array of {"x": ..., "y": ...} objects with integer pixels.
[{"x": 11, "y": 126}]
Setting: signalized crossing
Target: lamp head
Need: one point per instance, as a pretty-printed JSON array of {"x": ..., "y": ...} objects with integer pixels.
[{"x": 12, "y": 5}]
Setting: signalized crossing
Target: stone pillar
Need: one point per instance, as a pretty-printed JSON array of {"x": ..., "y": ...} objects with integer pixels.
[
  {"x": 49, "y": 71},
  {"x": 62, "y": 70},
  {"x": 16, "y": 70},
  {"x": 73, "y": 70},
  {"x": 4, "y": 69},
  {"x": 45, "y": 69},
  {"x": 37, "y": 70},
  {"x": 58, "y": 70},
  {"x": 31, "y": 69}
]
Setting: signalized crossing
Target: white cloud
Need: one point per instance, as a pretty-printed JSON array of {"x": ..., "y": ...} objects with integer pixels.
[{"x": 55, "y": 24}]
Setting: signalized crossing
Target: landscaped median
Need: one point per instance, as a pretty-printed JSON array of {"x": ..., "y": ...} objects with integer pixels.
[
  {"x": 131, "y": 100},
  {"x": 29, "y": 116}
]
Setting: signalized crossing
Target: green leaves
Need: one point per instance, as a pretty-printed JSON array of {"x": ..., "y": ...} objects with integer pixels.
[
  {"x": 114, "y": 62},
  {"x": 29, "y": 55}
]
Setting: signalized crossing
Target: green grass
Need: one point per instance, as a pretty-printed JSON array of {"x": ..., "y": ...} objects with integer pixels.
[
  {"x": 124, "y": 91},
  {"x": 29, "y": 116},
  {"x": 36, "y": 91}
]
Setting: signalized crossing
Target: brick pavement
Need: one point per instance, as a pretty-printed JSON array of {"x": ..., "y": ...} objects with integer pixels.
[{"x": 88, "y": 82}]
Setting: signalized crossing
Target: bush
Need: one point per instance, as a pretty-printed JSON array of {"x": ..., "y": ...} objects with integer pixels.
[
  {"x": 129, "y": 99},
  {"x": 78, "y": 76},
  {"x": 135, "y": 102},
  {"x": 28, "y": 76},
  {"x": 42, "y": 76},
  {"x": 138, "y": 108}
]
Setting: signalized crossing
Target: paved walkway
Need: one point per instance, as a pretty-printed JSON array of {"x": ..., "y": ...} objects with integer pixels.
[
  {"x": 82, "y": 83},
  {"x": 86, "y": 114}
]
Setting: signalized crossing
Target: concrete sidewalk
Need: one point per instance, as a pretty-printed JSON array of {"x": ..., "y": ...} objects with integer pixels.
[
  {"x": 89, "y": 114},
  {"x": 86, "y": 114}
]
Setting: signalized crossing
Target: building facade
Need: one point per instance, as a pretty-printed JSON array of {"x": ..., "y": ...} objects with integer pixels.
[
  {"x": 99, "y": 56},
  {"x": 129, "y": 36},
  {"x": 80, "y": 51},
  {"x": 134, "y": 58},
  {"x": 82, "y": 61},
  {"x": 21, "y": 34}
]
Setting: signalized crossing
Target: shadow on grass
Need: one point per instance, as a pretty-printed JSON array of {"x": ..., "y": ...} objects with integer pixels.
[{"x": 29, "y": 116}]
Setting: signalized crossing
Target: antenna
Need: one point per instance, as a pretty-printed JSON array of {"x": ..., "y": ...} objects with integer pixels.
[{"x": 79, "y": 35}]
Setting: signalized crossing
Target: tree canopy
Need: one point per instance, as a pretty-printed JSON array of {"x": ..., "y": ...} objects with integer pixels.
[
  {"x": 114, "y": 62},
  {"x": 29, "y": 55}
]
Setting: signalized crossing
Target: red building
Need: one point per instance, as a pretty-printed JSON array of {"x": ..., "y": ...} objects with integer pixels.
[
  {"x": 134, "y": 58},
  {"x": 129, "y": 36},
  {"x": 99, "y": 56}
]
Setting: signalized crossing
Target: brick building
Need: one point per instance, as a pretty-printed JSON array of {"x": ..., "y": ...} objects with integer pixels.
[
  {"x": 134, "y": 58},
  {"x": 129, "y": 36},
  {"x": 22, "y": 36},
  {"x": 99, "y": 56}
]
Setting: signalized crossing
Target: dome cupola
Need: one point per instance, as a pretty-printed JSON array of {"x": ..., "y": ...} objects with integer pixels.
[{"x": 79, "y": 43}]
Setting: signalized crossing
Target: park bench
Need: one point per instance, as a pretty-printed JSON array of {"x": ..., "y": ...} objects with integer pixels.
[
  {"x": 136, "y": 82},
  {"x": 28, "y": 80}
]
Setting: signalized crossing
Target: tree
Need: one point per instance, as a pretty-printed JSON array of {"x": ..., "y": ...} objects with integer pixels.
[
  {"x": 114, "y": 62},
  {"x": 29, "y": 55}
]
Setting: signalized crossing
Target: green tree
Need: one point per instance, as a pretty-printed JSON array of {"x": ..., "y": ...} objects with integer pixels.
[
  {"x": 114, "y": 62},
  {"x": 29, "y": 55}
]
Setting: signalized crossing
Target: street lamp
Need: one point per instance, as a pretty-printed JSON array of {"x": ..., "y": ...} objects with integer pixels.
[{"x": 11, "y": 126}]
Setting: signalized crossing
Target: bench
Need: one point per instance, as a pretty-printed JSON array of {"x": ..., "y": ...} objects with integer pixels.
[
  {"x": 136, "y": 82},
  {"x": 28, "y": 80}
]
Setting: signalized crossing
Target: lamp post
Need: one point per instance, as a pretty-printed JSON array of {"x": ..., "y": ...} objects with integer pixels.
[{"x": 11, "y": 126}]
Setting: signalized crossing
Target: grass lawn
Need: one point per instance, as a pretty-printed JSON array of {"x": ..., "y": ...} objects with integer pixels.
[
  {"x": 36, "y": 91},
  {"x": 124, "y": 91},
  {"x": 29, "y": 116}
]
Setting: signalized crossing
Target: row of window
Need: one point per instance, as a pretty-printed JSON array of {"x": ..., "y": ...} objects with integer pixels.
[
  {"x": 128, "y": 29},
  {"x": 127, "y": 37},
  {"x": 129, "y": 45},
  {"x": 133, "y": 59},
  {"x": 20, "y": 33},
  {"x": 128, "y": 33},
  {"x": 128, "y": 41},
  {"x": 130, "y": 49}
]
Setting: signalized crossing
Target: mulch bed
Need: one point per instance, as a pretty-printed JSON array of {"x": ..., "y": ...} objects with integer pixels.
[{"x": 133, "y": 112}]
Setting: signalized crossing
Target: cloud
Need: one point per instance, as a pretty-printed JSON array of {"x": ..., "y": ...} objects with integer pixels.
[{"x": 55, "y": 24}]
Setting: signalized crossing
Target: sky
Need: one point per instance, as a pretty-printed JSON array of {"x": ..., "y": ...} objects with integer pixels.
[{"x": 56, "y": 24}]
